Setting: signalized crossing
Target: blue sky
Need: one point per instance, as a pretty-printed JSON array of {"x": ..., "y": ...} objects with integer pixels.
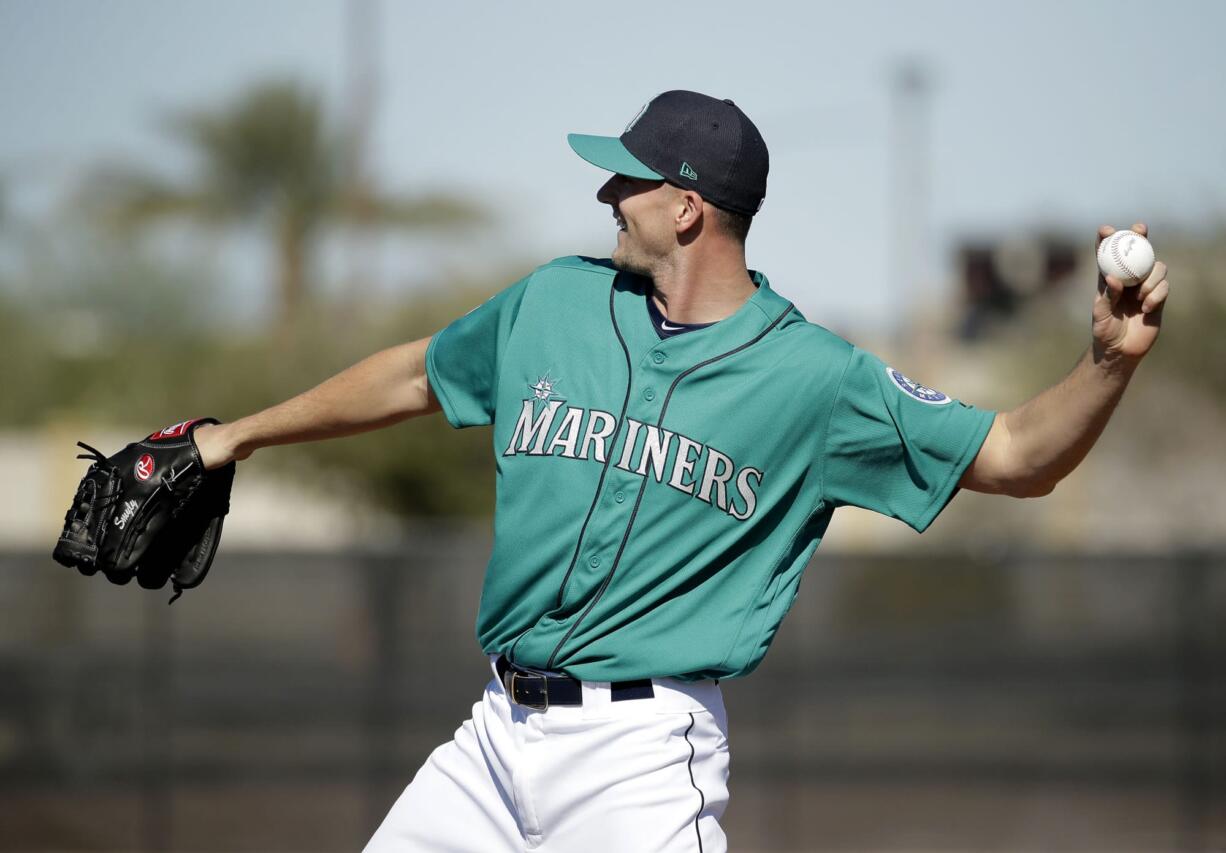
[{"x": 1042, "y": 114}]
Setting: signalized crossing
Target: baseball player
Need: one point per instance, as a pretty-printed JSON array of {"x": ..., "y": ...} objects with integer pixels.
[{"x": 672, "y": 438}]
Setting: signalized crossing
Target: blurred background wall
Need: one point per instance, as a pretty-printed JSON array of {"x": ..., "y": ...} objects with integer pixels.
[{"x": 206, "y": 209}]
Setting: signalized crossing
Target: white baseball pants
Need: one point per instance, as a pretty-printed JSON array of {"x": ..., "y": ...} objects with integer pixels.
[{"x": 645, "y": 775}]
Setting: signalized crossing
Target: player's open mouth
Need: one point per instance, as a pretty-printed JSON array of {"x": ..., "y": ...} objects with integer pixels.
[{"x": 621, "y": 223}]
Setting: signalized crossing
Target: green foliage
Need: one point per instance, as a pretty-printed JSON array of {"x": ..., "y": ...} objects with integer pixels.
[
  {"x": 100, "y": 330},
  {"x": 272, "y": 157},
  {"x": 418, "y": 468},
  {"x": 108, "y": 333},
  {"x": 92, "y": 313},
  {"x": 269, "y": 148}
]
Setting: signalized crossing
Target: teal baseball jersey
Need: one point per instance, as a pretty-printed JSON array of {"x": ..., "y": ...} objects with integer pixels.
[{"x": 658, "y": 499}]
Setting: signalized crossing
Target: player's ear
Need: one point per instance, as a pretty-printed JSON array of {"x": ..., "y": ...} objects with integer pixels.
[{"x": 688, "y": 209}]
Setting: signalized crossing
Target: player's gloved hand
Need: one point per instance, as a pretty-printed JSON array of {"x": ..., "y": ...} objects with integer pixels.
[
  {"x": 1126, "y": 320},
  {"x": 151, "y": 511}
]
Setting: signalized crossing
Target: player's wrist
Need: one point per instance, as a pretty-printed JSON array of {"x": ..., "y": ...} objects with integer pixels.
[
  {"x": 219, "y": 445},
  {"x": 1112, "y": 361}
]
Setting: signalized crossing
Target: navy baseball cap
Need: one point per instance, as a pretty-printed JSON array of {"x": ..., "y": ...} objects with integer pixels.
[{"x": 693, "y": 141}]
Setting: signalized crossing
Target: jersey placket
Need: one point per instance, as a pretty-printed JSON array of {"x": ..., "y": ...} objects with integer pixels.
[{"x": 608, "y": 529}]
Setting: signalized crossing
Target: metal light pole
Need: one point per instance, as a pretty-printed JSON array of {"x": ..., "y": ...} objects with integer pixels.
[
  {"x": 909, "y": 262},
  {"x": 360, "y": 91}
]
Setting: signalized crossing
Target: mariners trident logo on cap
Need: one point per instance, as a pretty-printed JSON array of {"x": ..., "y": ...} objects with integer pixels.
[
  {"x": 692, "y": 140},
  {"x": 636, "y": 118}
]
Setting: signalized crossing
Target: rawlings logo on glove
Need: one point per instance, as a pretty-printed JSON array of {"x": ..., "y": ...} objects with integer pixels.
[{"x": 149, "y": 512}]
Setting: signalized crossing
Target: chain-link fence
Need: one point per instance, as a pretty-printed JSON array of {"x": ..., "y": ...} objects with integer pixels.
[{"x": 937, "y": 702}]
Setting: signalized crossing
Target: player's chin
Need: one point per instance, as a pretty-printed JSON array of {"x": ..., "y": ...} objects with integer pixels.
[{"x": 626, "y": 261}]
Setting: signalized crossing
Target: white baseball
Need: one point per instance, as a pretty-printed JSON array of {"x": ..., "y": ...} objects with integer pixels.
[{"x": 1126, "y": 255}]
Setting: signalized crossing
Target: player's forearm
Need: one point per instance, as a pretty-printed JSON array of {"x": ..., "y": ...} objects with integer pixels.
[
  {"x": 378, "y": 391},
  {"x": 1052, "y": 433}
]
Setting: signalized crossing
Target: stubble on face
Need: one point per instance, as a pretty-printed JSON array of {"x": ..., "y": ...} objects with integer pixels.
[
  {"x": 627, "y": 257},
  {"x": 643, "y": 239}
]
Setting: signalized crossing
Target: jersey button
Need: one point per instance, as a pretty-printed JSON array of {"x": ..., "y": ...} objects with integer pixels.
[
  {"x": 658, "y": 357},
  {"x": 594, "y": 562},
  {"x": 619, "y": 497},
  {"x": 649, "y": 393}
]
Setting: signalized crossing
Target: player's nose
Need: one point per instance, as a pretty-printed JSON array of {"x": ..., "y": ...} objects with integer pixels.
[{"x": 610, "y": 193}]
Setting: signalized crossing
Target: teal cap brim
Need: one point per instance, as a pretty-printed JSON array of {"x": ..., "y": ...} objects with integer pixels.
[{"x": 607, "y": 152}]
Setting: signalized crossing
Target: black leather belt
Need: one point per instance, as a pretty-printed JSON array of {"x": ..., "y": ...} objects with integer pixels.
[{"x": 538, "y": 691}]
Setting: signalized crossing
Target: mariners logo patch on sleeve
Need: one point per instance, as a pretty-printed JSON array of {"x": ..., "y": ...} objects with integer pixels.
[{"x": 914, "y": 389}]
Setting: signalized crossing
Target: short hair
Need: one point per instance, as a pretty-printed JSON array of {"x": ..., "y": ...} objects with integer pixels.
[{"x": 735, "y": 225}]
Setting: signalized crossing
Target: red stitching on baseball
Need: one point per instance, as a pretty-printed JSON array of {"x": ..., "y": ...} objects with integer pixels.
[{"x": 1119, "y": 259}]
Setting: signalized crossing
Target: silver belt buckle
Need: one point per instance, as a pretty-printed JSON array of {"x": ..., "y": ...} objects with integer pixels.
[{"x": 544, "y": 705}]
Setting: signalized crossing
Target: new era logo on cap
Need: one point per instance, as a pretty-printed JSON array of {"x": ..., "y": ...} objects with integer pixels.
[{"x": 687, "y": 171}]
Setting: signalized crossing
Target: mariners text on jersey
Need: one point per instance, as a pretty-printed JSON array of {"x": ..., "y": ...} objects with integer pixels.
[
  {"x": 658, "y": 499},
  {"x": 649, "y": 457}
]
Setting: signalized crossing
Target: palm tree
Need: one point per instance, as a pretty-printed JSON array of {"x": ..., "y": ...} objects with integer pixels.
[{"x": 269, "y": 156}]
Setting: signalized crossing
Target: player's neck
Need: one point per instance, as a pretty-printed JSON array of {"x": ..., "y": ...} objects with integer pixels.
[{"x": 702, "y": 289}]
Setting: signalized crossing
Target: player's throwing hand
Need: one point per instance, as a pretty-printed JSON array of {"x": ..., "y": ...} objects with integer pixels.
[{"x": 1127, "y": 319}]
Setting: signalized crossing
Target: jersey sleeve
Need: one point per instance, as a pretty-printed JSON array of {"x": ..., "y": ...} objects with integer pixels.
[
  {"x": 896, "y": 447},
  {"x": 462, "y": 360}
]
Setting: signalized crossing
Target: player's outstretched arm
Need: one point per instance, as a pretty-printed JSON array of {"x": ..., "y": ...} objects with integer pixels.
[
  {"x": 1031, "y": 448},
  {"x": 385, "y": 388}
]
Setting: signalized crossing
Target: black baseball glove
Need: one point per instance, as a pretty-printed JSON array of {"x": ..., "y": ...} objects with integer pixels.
[{"x": 149, "y": 512}]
